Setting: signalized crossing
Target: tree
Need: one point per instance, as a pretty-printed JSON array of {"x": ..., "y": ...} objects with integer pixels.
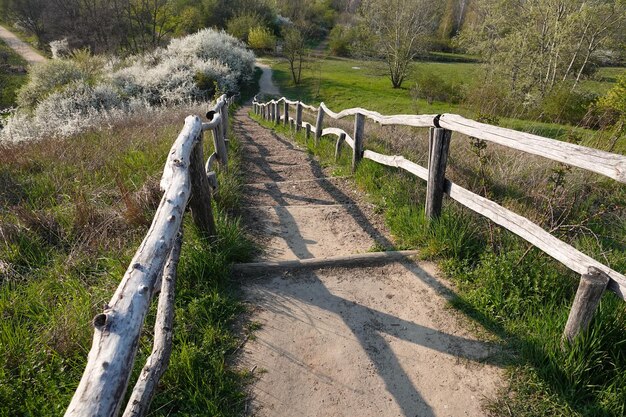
[
  {"x": 295, "y": 51},
  {"x": 400, "y": 30}
]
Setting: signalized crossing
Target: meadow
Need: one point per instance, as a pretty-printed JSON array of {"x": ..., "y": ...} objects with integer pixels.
[{"x": 12, "y": 75}]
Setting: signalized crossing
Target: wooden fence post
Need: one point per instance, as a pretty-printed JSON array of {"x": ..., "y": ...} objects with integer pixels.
[
  {"x": 219, "y": 143},
  {"x": 298, "y": 116},
  {"x": 438, "y": 146},
  {"x": 590, "y": 289},
  {"x": 340, "y": 141},
  {"x": 357, "y": 153},
  {"x": 200, "y": 201},
  {"x": 286, "y": 113},
  {"x": 307, "y": 135},
  {"x": 276, "y": 113},
  {"x": 224, "y": 113},
  {"x": 318, "y": 125}
]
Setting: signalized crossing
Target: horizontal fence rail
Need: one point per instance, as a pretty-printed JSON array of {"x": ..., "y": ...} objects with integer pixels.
[
  {"x": 185, "y": 183},
  {"x": 441, "y": 126}
]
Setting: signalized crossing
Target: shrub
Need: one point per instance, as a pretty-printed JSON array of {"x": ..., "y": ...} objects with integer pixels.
[
  {"x": 261, "y": 39},
  {"x": 432, "y": 87},
  {"x": 240, "y": 25},
  {"x": 340, "y": 40},
  {"x": 83, "y": 91},
  {"x": 60, "y": 48},
  {"x": 562, "y": 105}
]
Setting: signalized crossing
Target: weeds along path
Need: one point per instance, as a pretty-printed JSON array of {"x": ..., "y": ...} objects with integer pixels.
[
  {"x": 366, "y": 341},
  {"x": 22, "y": 48}
]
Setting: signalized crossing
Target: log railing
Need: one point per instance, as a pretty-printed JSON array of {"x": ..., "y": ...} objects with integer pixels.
[
  {"x": 595, "y": 276},
  {"x": 186, "y": 182}
]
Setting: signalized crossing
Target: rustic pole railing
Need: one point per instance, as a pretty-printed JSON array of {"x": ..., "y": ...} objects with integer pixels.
[
  {"x": 595, "y": 276},
  {"x": 185, "y": 182}
]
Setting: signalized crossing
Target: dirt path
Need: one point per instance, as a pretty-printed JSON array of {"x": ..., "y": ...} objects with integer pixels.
[
  {"x": 22, "y": 48},
  {"x": 266, "y": 84},
  {"x": 375, "y": 341}
]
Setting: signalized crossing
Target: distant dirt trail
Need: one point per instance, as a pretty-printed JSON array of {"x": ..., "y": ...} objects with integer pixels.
[
  {"x": 369, "y": 341},
  {"x": 22, "y": 48},
  {"x": 266, "y": 84}
]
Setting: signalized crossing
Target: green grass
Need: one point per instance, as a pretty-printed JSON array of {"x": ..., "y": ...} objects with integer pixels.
[
  {"x": 344, "y": 83},
  {"x": 10, "y": 77},
  {"x": 523, "y": 298},
  {"x": 72, "y": 214}
]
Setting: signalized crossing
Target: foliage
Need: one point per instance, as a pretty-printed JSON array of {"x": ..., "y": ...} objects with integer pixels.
[
  {"x": 82, "y": 92},
  {"x": 261, "y": 38},
  {"x": 431, "y": 87},
  {"x": 60, "y": 48},
  {"x": 340, "y": 40},
  {"x": 562, "y": 105},
  {"x": 533, "y": 47},
  {"x": 400, "y": 29},
  {"x": 241, "y": 25},
  {"x": 12, "y": 76},
  {"x": 295, "y": 51}
]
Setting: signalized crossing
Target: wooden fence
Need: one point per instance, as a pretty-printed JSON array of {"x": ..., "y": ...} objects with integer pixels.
[
  {"x": 186, "y": 182},
  {"x": 595, "y": 276}
]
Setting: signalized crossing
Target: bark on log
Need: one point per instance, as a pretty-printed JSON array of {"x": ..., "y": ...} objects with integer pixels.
[
  {"x": 318, "y": 125},
  {"x": 117, "y": 328},
  {"x": 439, "y": 144},
  {"x": 158, "y": 361},
  {"x": 200, "y": 202},
  {"x": 340, "y": 140},
  {"x": 357, "y": 151},
  {"x": 298, "y": 116},
  {"x": 590, "y": 289},
  {"x": 286, "y": 113}
]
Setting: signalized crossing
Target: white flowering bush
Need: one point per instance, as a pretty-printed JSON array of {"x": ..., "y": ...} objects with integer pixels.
[
  {"x": 67, "y": 95},
  {"x": 60, "y": 49}
]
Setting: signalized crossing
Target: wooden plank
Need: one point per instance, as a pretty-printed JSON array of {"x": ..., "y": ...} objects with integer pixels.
[
  {"x": 425, "y": 120},
  {"x": 357, "y": 150},
  {"x": 521, "y": 226},
  {"x": 605, "y": 163},
  {"x": 439, "y": 144},
  {"x": 524, "y": 228},
  {"x": 590, "y": 289},
  {"x": 338, "y": 132},
  {"x": 345, "y": 261},
  {"x": 397, "y": 161},
  {"x": 158, "y": 361},
  {"x": 117, "y": 329}
]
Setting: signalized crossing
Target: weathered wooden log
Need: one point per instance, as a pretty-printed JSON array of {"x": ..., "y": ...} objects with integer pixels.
[
  {"x": 605, "y": 163},
  {"x": 439, "y": 145},
  {"x": 340, "y": 140},
  {"x": 307, "y": 134},
  {"x": 344, "y": 261},
  {"x": 219, "y": 142},
  {"x": 286, "y": 113},
  {"x": 298, "y": 116},
  {"x": 357, "y": 151},
  {"x": 159, "y": 359},
  {"x": 319, "y": 125},
  {"x": 338, "y": 132},
  {"x": 422, "y": 120},
  {"x": 590, "y": 289},
  {"x": 117, "y": 328},
  {"x": 276, "y": 113}
]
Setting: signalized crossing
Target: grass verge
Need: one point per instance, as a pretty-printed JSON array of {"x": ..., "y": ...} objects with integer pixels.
[
  {"x": 518, "y": 293},
  {"x": 72, "y": 214},
  {"x": 12, "y": 75}
]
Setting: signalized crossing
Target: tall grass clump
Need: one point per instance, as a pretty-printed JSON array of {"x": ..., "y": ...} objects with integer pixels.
[
  {"x": 512, "y": 289},
  {"x": 65, "y": 96}
]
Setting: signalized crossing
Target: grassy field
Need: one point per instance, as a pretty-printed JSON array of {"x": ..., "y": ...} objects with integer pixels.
[
  {"x": 343, "y": 83},
  {"x": 72, "y": 214},
  {"x": 516, "y": 292},
  {"x": 10, "y": 77}
]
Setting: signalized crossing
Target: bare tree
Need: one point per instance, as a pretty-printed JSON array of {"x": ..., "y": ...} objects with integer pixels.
[
  {"x": 400, "y": 29},
  {"x": 295, "y": 51}
]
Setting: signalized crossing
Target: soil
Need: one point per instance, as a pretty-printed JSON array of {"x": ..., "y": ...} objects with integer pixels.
[
  {"x": 369, "y": 341},
  {"x": 22, "y": 48}
]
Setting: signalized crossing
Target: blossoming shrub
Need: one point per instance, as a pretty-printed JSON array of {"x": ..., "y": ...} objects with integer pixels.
[{"x": 66, "y": 96}]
